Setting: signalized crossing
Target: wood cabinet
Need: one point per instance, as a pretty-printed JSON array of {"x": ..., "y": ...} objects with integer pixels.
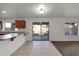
[{"x": 20, "y": 23}]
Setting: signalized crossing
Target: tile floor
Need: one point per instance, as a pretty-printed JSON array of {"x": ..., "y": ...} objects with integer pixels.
[{"x": 37, "y": 48}]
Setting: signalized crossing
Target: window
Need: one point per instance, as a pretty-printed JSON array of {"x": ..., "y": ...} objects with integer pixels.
[
  {"x": 10, "y": 26},
  {"x": 7, "y": 26},
  {"x": 71, "y": 28}
]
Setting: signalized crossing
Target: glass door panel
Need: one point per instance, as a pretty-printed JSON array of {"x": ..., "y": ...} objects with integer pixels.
[
  {"x": 45, "y": 31},
  {"x": 36, "y": 31},
  {"x": 40, "y": 31}
]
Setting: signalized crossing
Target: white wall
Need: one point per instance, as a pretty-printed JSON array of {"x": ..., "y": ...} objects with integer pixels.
[
  {"x": 56, "y": 26},
  {"x": 59, "y": 30}
]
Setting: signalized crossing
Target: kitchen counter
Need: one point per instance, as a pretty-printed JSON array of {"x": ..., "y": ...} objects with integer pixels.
[
  {"x": 12, "y": 31},
  {"x": 9, "y": 36}
]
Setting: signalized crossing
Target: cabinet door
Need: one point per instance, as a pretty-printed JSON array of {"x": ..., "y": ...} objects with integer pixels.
[{"x": 20, "y": 24}]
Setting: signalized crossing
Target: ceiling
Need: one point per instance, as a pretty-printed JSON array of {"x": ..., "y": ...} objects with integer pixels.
[{"x": 29, "y": 10}]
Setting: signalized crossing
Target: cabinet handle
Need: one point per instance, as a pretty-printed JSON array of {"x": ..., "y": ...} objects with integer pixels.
[{"x": 12, "y": 38}]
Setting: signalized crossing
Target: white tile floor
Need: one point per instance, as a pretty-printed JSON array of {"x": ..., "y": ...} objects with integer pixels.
[{"x": 37, "y": 48}]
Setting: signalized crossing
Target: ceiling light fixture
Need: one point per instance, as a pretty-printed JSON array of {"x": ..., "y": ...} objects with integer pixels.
[
  {"x": 41, "y": 9},
  {"x": 4, "y": 12}
]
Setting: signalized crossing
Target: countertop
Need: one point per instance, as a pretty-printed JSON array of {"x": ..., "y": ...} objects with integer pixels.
[{"x": 9, "y": 36}]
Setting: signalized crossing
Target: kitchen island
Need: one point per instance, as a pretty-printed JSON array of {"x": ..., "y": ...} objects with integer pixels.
[{"x": 10, "y": 42}]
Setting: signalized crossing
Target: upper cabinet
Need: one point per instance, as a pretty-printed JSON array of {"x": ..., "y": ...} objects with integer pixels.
[{"x": 20, "y": 23}]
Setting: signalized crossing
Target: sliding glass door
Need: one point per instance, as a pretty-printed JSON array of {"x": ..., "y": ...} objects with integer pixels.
[{"x": 40, "y": 31}]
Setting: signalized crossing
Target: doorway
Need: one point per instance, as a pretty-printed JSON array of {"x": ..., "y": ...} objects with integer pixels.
[{"x": 40, "y": 31}]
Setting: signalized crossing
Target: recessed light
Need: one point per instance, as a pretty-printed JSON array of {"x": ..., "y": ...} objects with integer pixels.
[{"x": 3, "y": 11}]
